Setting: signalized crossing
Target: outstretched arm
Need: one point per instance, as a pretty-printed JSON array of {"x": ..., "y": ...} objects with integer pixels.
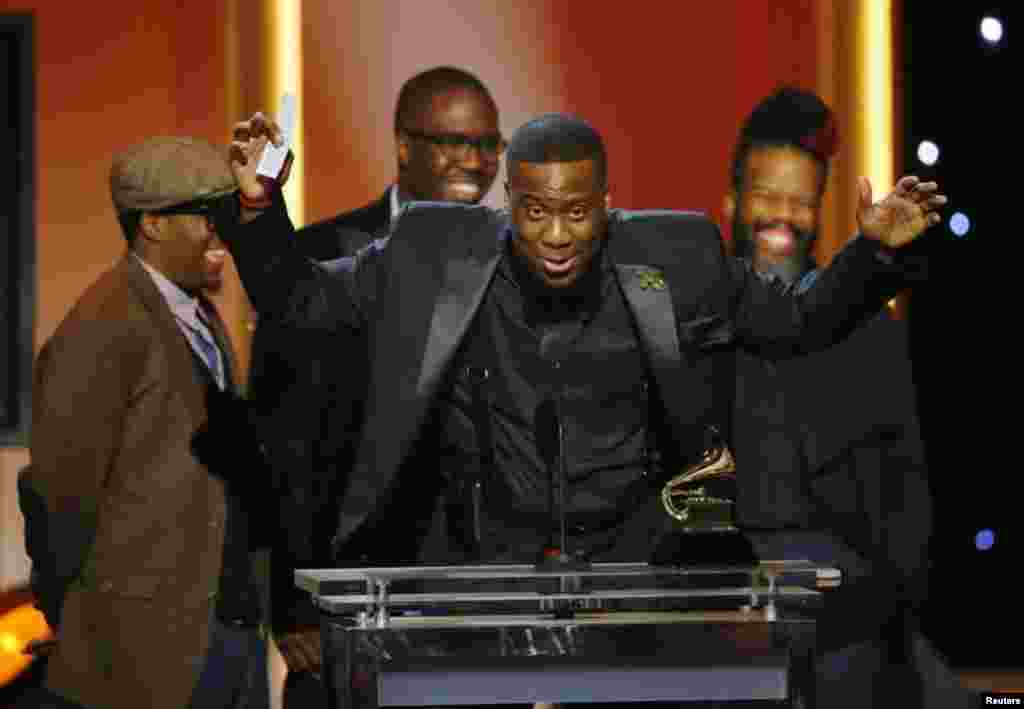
[{"x": 856, "y": 285}]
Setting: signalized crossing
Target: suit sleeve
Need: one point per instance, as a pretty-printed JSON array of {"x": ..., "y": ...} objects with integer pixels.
[
  {"x": 778, "y": 322},
  {"x": 297, "y": 292},
  {"x": 83, "y": 389}
]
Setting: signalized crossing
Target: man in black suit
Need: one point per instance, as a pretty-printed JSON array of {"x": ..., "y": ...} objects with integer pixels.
[
  {"x": 448, "y": 148},
  {"x": 485, "y": 332},
  {"x": 831, "y": 465}
]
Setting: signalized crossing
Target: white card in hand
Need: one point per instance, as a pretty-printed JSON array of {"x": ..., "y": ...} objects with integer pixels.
[{"x": 273, "y": 157}]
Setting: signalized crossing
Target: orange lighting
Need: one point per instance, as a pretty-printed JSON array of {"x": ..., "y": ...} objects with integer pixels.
[{"x": 18, "y": 627}]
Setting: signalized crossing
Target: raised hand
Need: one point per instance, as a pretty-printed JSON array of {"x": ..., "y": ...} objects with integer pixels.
[
  {"x": 902, "y": 215},
  {"x": 249, "y": 138}
]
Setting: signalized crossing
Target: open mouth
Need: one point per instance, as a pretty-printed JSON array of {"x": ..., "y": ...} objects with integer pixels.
[
  {"x": 465, "y": 188},
  {"x": 559, "y": 267},
  {"x": 778, "y": 240}
]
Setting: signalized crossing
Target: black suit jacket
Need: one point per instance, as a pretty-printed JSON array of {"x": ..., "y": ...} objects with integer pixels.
[
  {"x": 346, "y": 233},
  {"x": 850, "y": 415},
  {"x": 405, "y": 304},
  {"x": 295, "y": 379}
]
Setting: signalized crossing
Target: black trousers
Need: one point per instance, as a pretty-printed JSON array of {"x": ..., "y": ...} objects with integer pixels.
[{"x": 870, "y": 653}]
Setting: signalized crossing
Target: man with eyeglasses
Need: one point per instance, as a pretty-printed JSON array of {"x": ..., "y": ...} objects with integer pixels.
[
  {"x": 448, "y": 149},
  {"x": 148, "y": 578}
]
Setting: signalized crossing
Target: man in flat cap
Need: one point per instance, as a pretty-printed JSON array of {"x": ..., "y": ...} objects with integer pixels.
[
  {"x": 148, "y": 579},
  {"x": 831, "y": 466}
]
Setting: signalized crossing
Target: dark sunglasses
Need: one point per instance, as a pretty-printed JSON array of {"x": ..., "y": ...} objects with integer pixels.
[
  {"x": 457, "y": 145},
  {"x": 221, "y": 212}
]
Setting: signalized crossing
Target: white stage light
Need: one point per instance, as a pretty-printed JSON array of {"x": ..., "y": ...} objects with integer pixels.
[
  {"x": 928, "y": 152},
  {"x": 959, "y": 224},
  {"x": 992, "y": 30}
]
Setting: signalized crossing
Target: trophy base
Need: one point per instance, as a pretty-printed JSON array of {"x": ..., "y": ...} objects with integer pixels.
[{"x": 704, "y": 546}]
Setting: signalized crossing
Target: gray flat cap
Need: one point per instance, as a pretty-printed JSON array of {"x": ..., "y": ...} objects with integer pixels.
[{"x": 162, "y": 172}]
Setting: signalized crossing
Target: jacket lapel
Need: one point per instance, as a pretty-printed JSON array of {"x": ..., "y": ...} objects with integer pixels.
[
  {"x": 650, "y": 300},
  {"x": 465, "y": 283},
  {"x": 408, "y": 375}
]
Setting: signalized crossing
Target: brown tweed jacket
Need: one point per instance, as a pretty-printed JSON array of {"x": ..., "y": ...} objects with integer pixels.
[{"x": 135, "y": 523}]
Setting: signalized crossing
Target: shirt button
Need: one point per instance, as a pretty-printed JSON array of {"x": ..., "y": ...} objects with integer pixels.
[{"x": 556, "y": 364}]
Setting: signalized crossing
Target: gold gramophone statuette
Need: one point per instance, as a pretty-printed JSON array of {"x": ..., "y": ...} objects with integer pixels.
[{"x": 703, "y": 495}]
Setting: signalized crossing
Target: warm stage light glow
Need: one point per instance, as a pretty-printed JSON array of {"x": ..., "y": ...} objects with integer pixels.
[
  {"x": 19, "y": 626},
  {"x": 283, "y": 27},
  {"x": 876, "y": 93}
]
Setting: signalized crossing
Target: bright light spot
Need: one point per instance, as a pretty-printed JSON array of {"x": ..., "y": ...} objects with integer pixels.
[
  {"x": 991, "y": 30},
  {"x": 9, "y": 643},
  {"x": 959, "y": 224},
  {"x": 984, "y": 539},
  {"x": 928, "y": 152}
]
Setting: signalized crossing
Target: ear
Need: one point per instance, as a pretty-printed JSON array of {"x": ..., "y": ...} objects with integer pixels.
[
  {"x": 608, "y": 199},
  {"x": 151, "y": 227},
  {"x": 729, "y": 206},
  {"x": 402, "y": 149}
]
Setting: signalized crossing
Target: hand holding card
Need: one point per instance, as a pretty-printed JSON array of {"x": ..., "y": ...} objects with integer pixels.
[
  {"x": 260, "y": 157},
  {"x": 274, "y": 156}
]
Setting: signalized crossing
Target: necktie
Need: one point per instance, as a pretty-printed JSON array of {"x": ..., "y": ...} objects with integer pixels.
[{"x": 209, "y": 350}]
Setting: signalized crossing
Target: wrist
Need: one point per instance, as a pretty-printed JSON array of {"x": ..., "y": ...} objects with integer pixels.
[
  {"x": 271, "y": 188},
  {"x": 880, "y": 251}
]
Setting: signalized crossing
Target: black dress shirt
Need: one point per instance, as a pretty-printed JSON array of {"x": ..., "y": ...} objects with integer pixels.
[{"x": 576, "y": 352}]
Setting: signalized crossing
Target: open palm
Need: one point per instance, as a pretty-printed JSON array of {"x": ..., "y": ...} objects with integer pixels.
[{"x": 902, "y": 215}]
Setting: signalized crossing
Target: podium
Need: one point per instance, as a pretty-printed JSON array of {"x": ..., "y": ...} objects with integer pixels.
[{"x": 510, "y": 634}]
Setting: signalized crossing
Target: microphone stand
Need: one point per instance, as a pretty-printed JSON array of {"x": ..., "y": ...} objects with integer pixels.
[{"x": 553, "y": 556}]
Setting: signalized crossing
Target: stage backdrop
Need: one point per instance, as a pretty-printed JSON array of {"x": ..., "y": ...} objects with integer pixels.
[{"x": 666, "y": 85}]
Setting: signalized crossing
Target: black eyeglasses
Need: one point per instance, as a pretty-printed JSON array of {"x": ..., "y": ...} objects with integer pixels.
[
  {"x": 221, "y": 212},
  {"x": 457, "y": 145}
]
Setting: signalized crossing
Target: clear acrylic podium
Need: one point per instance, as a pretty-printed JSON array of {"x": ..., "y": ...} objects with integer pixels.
[{"x": 509, "y": 634}]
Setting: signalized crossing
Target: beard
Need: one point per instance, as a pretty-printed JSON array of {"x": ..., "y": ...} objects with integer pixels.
[{"x": 774, "y": 248}]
